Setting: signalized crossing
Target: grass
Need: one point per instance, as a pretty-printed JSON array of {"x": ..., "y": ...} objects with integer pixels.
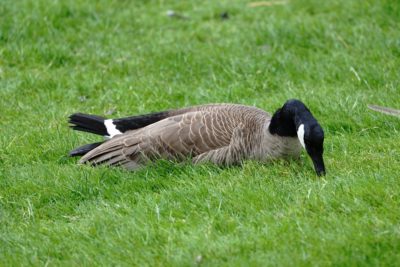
[{"x": 60, "y": 57}]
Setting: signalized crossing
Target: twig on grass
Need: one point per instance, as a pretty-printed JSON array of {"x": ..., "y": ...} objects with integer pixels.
[
  {"x": 385, "y": 110},
  {"x": 267, "y": 3}
]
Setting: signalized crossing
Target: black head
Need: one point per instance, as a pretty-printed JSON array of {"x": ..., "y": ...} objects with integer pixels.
[{"x": 295, "y": 119}]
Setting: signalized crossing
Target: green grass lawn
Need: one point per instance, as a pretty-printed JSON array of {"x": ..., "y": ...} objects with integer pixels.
[{"x": 129, "y": 57}]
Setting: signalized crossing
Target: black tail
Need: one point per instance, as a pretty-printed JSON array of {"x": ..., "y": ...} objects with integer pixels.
[
  {"x": 82, "y": 150},
  {"x": 88, "y": 123},
  {"x": 110, "y": 127},
  {"x": 96, "y": 124},
  {"x": 99, "y": 125},
  {"x": 139, "y": 121}
]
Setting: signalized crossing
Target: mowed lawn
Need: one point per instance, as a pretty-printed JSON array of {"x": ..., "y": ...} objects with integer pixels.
[{"x": 120, "y": 58}]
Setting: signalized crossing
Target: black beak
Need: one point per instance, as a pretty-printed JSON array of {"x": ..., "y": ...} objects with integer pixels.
[{"x": 319, "y": 165}]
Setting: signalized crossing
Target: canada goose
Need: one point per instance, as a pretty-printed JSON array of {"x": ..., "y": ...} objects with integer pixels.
[{"x": 224, "y": 134}]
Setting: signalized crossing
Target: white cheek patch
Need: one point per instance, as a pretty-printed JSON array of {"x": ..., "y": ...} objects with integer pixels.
[
  {"x": 111, "y": 128},
  {"x": 300, "y": 135}
]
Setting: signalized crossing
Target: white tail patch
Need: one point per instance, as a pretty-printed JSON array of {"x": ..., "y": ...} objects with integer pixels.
[
  {"x": 300, "y": 135},
  {"x": 111, "y": 128}
]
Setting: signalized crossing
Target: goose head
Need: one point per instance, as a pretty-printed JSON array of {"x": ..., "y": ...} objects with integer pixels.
[{"x": 295, "y": 119}]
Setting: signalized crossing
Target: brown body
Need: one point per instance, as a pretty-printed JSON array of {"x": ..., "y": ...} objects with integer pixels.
[{"x": 224, "y": 134}]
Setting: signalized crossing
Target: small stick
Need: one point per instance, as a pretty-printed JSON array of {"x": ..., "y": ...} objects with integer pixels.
[
  {"x": 267, "y": 3},
  {"x": 385, "y": 110}
]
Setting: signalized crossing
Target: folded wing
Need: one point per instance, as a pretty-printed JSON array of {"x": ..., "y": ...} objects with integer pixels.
[{"x": 177, "y": 137}]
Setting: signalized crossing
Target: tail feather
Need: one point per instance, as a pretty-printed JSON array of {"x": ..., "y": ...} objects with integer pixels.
[
  {"x": 82, "y": 150},
  {"x": 109, "y": 128},
  {"x": 139, "y": 121},
  {"x": 88, "y": 123}
]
